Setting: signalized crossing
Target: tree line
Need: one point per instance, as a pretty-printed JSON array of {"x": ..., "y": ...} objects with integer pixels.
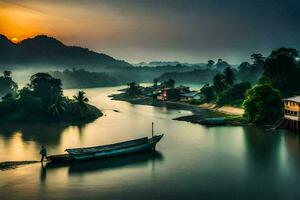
[{"x": 273, "y": 78}]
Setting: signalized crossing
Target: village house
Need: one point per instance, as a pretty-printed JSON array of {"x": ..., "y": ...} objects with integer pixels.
[
  {"x": 171, "y": 94},
  {"x": 292, "y": 112},
  {"x": 190, "y": 96}
]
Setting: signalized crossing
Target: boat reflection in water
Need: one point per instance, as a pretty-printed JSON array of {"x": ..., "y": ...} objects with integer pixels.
[{"x": 138, "y": 159}]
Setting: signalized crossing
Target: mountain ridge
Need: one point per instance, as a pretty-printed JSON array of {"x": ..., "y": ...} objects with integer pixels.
[{"x": 42, "y": 49}]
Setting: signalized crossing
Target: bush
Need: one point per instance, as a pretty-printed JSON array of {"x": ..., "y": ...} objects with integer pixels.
[
  {"x": 207, "y": 93},
  {"x": 234, "y": 95},
  {"x": 262, "y": 104}
]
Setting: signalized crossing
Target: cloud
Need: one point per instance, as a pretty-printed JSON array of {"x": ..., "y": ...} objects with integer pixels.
[{"x": 191, "y": 30}]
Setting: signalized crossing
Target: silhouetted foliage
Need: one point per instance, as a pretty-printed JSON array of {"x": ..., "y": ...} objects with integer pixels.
[
  {"x": 281, "y": 71},
  {"x": 133, "y": 89},
  {"x": 168, "y": 84},
  {"x": 262, "y": 104},
  {"x": 229, "y": 76},
  {"x": 207, "y": 92},
  {"x": 234, "y": 95},
  {"x": 43, "y": 100},
  {"x": 221, "y": 65},
  {"x": 218, "y": 83},
  {"x": 81, "y": 103},
  {"x": 7, "y": 85},
  {"x": 210, "y": 63},
  {"x": 192, "y": 76}
]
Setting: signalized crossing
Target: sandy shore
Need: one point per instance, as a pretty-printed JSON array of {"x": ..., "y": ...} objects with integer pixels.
[{"x": 230, "y": 110}]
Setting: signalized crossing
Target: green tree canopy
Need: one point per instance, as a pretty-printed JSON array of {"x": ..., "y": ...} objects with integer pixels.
[
  {"x": 234, "y": 95},
  {"x": 218, "y": 83},
  {"x": 229, "y": 76},
  {"x": 45, "y": 87},
  {"x": 280, "y": 69},
  {"x": 207, "y": 93},
  {"x": 262, "y": 104}
]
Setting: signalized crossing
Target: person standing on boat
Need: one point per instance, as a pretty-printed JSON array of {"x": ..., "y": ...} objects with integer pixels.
[{"x": 43, "y": 153}]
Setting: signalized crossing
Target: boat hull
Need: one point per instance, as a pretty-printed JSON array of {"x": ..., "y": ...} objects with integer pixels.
[
  {"x": 117, "y": 152},
  {"x": 111, "y": 152}
]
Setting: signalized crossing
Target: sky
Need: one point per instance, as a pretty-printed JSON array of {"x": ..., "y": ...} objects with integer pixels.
[{"x": 166, "y": 30}]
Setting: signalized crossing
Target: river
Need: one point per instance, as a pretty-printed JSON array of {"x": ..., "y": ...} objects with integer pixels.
[{"x": 191, "y": 162}]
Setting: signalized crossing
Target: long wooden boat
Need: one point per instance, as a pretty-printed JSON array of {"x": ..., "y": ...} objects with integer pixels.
[{"x": 111, "y": 150}]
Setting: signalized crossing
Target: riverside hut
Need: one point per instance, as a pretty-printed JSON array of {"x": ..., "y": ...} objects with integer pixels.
[{"x": 291, "y": 118}]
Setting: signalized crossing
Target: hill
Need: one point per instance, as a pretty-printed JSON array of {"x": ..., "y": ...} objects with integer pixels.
[{"x": 47, "y": 51}]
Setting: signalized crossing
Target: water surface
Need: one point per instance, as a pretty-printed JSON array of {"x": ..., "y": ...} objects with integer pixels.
[{"x": 191, "y": 162}]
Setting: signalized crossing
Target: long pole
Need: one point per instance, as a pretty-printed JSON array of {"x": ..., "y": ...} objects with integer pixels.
[{"x": 152, "y": 128}]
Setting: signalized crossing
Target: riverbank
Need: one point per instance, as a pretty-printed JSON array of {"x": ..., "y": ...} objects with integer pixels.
[
  {"x": 231, "y": 115},
  {"x": 229, "y": 110},
  {"x": 14, "y": 164},
  {"x": 68, "y": 116}
]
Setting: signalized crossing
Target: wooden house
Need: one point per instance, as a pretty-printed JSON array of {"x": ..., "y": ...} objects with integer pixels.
[{"x": 291, "y": 118}]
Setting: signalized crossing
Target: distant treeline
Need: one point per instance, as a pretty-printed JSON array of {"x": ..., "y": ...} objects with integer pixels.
[{"x": 80, "y": 78}]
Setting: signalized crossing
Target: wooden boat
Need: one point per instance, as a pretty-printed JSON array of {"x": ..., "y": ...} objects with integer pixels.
[{"x": 111, "y": 150}]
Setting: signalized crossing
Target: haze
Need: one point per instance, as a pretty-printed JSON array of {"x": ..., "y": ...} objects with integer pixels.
[{"x": 146, "y": 30}]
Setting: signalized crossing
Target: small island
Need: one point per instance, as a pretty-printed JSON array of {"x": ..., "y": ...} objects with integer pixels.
[{"x": 42, "y": 100}]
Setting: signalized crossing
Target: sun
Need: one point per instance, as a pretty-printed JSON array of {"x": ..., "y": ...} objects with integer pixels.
[{"x": 15, "y": 40}]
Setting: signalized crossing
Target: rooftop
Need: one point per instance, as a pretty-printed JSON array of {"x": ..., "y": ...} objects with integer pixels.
[{"x": 295, "y": 99}]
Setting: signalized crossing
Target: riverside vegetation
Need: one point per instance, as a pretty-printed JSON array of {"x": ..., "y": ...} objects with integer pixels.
[
  {"x": 42, "y": 100},
  {"x": 268, "y": 81}
]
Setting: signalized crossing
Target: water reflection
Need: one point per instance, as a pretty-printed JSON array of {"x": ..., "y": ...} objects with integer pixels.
[
  {"x": 262, "y": 147},
  {"x": 49, "y": 134},
  {"x": 134, "y": 160}
]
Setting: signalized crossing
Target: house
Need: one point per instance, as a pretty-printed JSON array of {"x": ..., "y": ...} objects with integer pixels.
[
  {"x": 292, "y": 108},
  {"x": 168, "y": 94},
  {"x": 291, "y": 117},
  {"x": 183, "y": 89},
  {"x": 190, "y": 96}
]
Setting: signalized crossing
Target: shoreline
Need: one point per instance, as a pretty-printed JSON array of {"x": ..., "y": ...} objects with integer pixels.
[
  {"x": 231, "y": 115},
  {"x": 92, "y": 114}
]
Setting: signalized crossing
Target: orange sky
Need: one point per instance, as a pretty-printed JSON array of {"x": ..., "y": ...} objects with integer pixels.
[
  {"x": 147, "y": 30},
  {"x": 23, "y": 20}
]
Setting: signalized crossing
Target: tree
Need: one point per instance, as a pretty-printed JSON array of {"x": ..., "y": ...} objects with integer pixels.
[
  {"x": 81, "y": 102},
  {"x": 8, "y": 97},
  {"x": 207, "y": 93},
  {"x": 169, "y": 83},
  {"x": 7, "y": 73},
  {"x": 7, "y": 85},
  {"x": 262, "y": 104},
  {"x": 155, "y": 82},
  {"x": 210, "y": 63},
  {"x": 218, "y": 83},
  {"x": 133, "y": 89},
  {"x": 234, "y": 95},
  {"x": 58, "y": 106},
  {"x": 45, "y": 87},
  {"x": 229, "y": 76},
  {"x": 221, "y": 64},
  {"x": 281, "y": 70},
  {"x": 258, "y": 59}
]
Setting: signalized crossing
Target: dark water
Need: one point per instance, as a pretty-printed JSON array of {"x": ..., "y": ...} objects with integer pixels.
[{"x": 191, "y": 162}]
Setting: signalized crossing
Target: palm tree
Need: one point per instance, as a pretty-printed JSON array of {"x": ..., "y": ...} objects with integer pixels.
[
  {"x": 58, "y": 106},
  {"x": 81, "y": 102}
]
